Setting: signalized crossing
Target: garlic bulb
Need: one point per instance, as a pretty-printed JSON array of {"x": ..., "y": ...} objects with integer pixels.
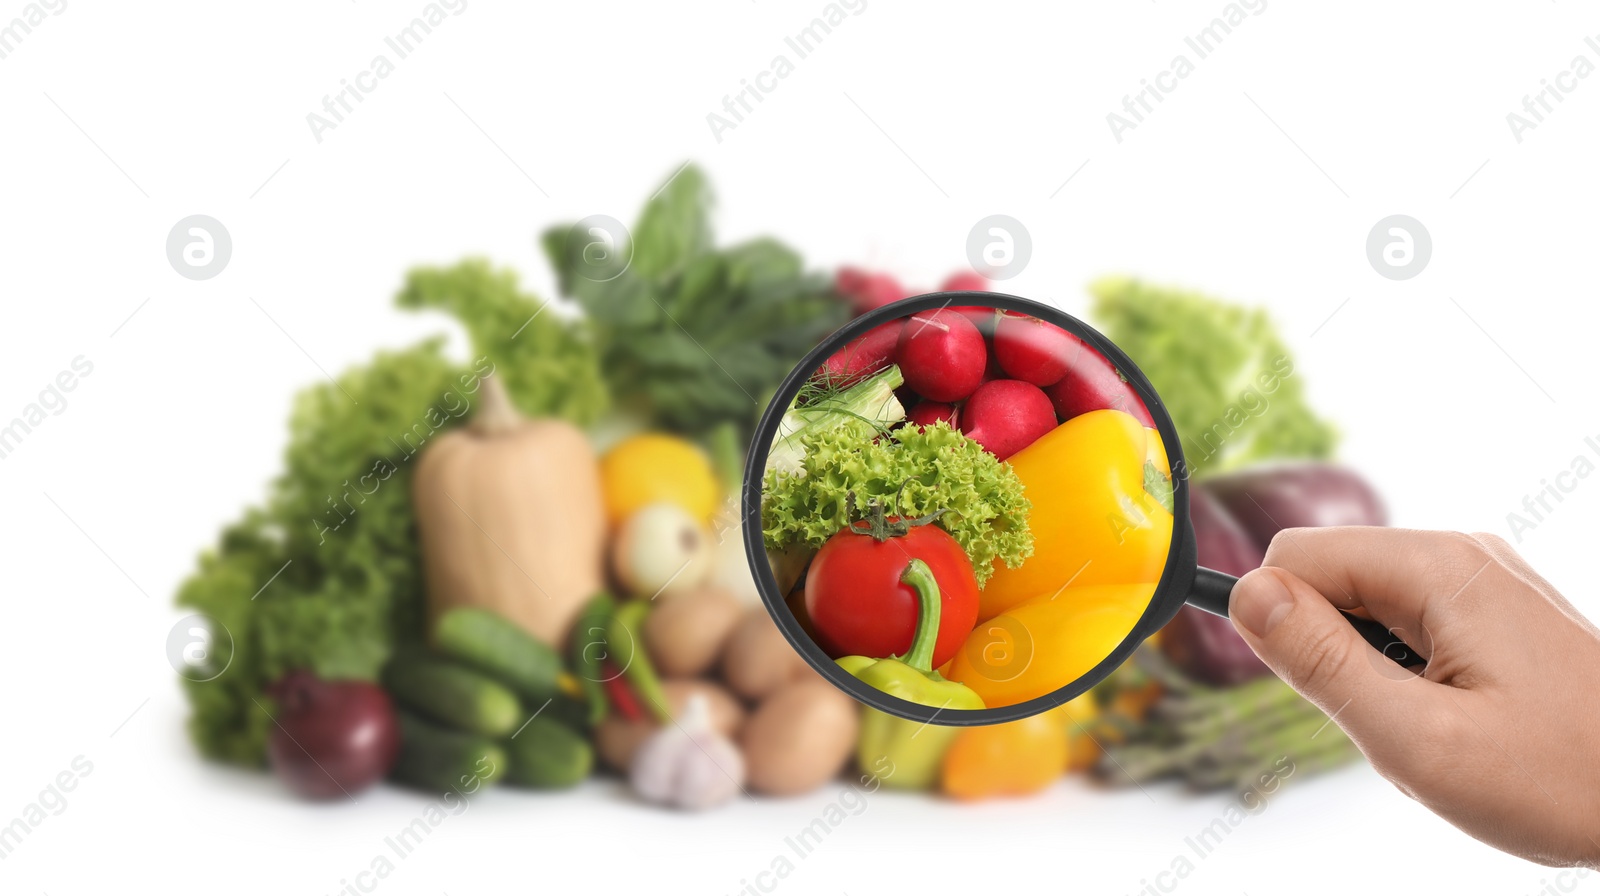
[{"x": 687, "y": 764}]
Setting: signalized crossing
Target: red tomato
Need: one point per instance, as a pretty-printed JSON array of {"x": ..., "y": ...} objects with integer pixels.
[{"x": 858, "y": 606}]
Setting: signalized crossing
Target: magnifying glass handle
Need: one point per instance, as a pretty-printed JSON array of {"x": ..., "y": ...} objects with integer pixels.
[{"x": 1211, "y": 590}]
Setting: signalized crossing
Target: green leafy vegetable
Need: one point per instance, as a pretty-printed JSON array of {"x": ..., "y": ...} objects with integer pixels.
[
  {"x": 940, "y": 467},
  {"x": 866, "y": 409},
  {"x": 691, "y": 336},
  {"x": 326, "y": 575},
  {"x": 1222, "y": 370}
]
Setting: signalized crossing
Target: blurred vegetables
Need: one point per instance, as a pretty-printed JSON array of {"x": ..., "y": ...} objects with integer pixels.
[
  {"x": 858, "y": 412},
  {"x": 508, "y": 518},
  {"x": 942, "y": 354},
  {"x": 1034, "y": 648},
  {"x": 799, "y": 738},
  {"x": 1215, "y": 738},
  {"x": 1080, "y": 715},
  {"x": 332, "y": 738},
  {"x": 866, "y": 290},
  {"x": 452, "y": 695},
  {"x": 661, "y": 546},
  {"x": 1215, "y": 366},
  {"x": 938, "y": 469},
  {"x": 1009, "y": 759},
  {"x": 653, "y": 467},
  {"x": 438, "y": 760},
  {"x": 490, "y": 644},
  {"x": 334, "y": 545},
  {"x": 626, "y": 647},
  {"x": 688, "y": 332},
  {"x": 547, "y": 755},
  {"x": 688, "y": 765},
  {"x": 1283, "y": 496},
  {"x": 688, "y": 629},
  {"x": 913, "y": 748},
  {"x": 1206, "y": 647},
  {"x": 758, "y": 659},
  {"x": 1094, "y": 522},
  {"x": 618, "y": 739}
]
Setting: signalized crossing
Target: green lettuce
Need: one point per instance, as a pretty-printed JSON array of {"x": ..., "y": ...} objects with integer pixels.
[
  {"x": 325, "y": 574},
  {"x": 1222, "y": 370},
  {"x": 939, "y": 468}
]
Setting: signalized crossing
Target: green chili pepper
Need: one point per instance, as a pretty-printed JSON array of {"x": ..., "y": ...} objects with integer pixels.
[
  {"x": 913, "y": 749},
  {"x": 623, "y": 635},
  {"x": 588, "y": 650}
]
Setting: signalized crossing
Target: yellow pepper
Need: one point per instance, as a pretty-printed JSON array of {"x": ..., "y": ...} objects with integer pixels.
[
  {"x": 1008, "y": 759},
  {"x": 1093, "y": 520},
  {"x": 1080, "y": 715},
  {"x": 1046, "y": 643}
]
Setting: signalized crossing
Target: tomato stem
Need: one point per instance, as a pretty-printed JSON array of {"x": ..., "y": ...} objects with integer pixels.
[{"x": 878, "y": 523}]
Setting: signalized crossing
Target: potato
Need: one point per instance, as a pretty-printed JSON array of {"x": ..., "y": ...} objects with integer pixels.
[
  {"x": 685, "y": 633},
  {"x": 759, "y": 659},
  {"x": 617, "y": 739},
  {"x": 799, "y": 738}
]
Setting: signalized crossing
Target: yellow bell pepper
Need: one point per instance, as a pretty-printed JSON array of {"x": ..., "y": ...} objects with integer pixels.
[
  {"x": 1093, "y": 521},
  {"x": 1080, "y": 715},
  {"x": 1046, "y": 643},
  {"x": 1008, "y": 759}
]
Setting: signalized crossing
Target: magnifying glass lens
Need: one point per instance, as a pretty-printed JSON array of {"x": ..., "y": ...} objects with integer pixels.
[{"x": 965, "y": 509}]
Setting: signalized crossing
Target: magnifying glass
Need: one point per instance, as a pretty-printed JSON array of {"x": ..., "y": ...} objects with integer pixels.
[{"x": 972, "y": 508}]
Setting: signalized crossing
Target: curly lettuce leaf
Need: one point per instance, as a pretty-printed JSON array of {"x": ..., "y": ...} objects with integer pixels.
[
  {"x": 326, "y": 575},
  {"x": 941, "y": 468}
]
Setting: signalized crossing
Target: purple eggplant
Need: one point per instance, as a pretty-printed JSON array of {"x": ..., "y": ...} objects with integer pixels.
[
  {"x": 1205, "y": 646},
  {"x": 1266, "y": 500}
]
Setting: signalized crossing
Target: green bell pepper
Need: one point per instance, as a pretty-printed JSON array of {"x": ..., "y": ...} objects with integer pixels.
[{"x": 913, "y": 749}]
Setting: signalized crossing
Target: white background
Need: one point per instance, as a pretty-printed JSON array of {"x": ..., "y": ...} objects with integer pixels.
[{"x": 1256, "y": 179}]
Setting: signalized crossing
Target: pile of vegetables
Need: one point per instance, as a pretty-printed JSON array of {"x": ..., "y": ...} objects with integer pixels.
[
  {"x": 337, "y": 537},
  {"x": 526, "y": 567}
]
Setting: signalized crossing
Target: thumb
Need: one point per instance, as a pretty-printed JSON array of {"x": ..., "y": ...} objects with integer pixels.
[{"x": 1310, "y": 645}]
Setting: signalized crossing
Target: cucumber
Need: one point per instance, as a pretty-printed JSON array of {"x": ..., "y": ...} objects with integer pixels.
[
  {"x": 438, "y": 759},
  {"x": 501, "y": 650},
  {"x": 453, "y": 695},
  {"x": 569, "y": 711},
  {"x": 547, "y": 754}
]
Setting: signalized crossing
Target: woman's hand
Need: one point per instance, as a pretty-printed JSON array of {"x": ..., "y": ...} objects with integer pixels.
[{"x": 1500, "y": 735}]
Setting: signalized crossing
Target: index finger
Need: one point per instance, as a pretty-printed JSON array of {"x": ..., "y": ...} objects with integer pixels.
[{"x": 1407, "y": 579}]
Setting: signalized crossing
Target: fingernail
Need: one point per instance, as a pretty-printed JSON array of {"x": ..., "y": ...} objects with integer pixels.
[{"x": 1260, "y": 601}]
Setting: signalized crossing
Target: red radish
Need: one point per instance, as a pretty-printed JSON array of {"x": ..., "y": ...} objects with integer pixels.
[
  {"x": 1091, "y": 384},
  {"x": 862, "y": 356},
  {"x": 965, "y": 281},
  {"x": 1033, "y": 351},
  {"x": 866, "y": 290},
  {"x": 992, "y": 371},
  {"x": 1006, "y": 416},
  {"x": 941, "y": 354},
  {"x": 925, "y": 413},
  {"x": 970, "y": 281},
  {"x": 332, "y": 738},
  {"x": 982, "y": 316}
]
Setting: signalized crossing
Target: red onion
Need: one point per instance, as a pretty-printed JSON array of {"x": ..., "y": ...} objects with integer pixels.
[{"x": 332, "y": 738}]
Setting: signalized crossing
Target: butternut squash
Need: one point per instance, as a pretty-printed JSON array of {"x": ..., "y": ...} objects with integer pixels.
[{"x": 511, "y": 519}]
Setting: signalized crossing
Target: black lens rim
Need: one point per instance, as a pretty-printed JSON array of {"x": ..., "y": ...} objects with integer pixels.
[{"x": 1176, "y": 577}]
